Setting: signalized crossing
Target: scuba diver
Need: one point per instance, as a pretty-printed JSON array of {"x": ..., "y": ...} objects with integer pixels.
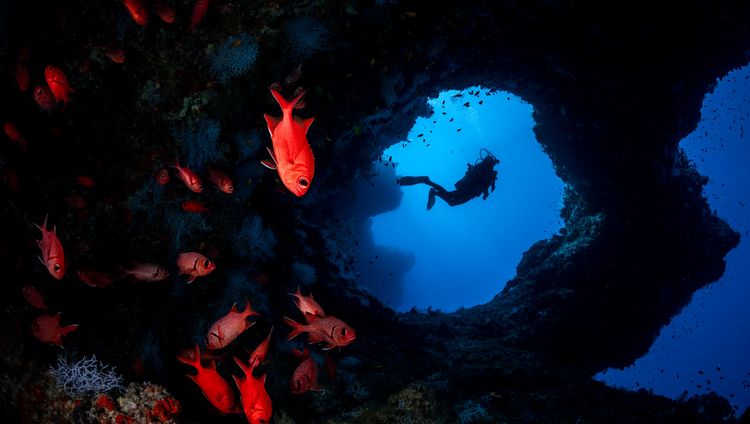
[{"x": 479, "y": 179}]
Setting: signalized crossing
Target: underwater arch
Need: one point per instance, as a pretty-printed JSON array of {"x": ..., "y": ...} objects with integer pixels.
[{"x": 462, "y": 255}]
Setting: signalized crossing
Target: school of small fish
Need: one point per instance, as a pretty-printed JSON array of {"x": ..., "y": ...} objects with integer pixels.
[{"x": 290, "y": 156}]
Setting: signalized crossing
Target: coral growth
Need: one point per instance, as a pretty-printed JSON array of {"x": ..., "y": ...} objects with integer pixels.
[
  {"x": 254, "y": 241},
  {"x": 306, "y": 36},
  {"x": 234, "y": 57},
  {"x": 199, "y": 140},
  {"x": 141, "y": 403},
  {"x": 85, "y": 377}
]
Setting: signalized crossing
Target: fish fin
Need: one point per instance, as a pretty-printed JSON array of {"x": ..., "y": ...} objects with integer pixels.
[
  {"x": 301, "y": 354},
  {"x": 329, "y": 347},
  {"x": 283, "y": 103},
  {"x": 310, "y": 317},
  {"x": 234, "y": 308},
  {"x": 272, "y": 154},
  {"x": 211, "y": 364},
  {"x": 68, "y": 329},
  {"x": 297, "y": 328},
  {"x": 41, "y": 260},
  {"x": 271, "y": 122},
  {"x": 304, "y": 123},
  {"x": 262, "y": 378},
  {"x": 191, "y": 279},
  {"x": 268, "y": 164},
  {"x": 193, "y": 377},
  {"x": 248, "y": 311},
  {"x": 238, "y": 380},
  {"x": 248, "y": 370}
]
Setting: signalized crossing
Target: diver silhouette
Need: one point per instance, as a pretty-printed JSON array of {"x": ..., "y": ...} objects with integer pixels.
[{"x": 479, "y": 179}]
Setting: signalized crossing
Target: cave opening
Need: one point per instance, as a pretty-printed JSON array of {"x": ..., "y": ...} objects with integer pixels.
[{"x": 451, "y": 257}]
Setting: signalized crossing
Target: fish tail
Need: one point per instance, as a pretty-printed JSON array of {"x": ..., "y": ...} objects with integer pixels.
[
  {"x": 297, "y": 328},
  {"x": 247, "y": 369},
  {"x": 286, "y": 106},
  {"x": 68, "y": 329},
  {"x": 195, "y": 362}
]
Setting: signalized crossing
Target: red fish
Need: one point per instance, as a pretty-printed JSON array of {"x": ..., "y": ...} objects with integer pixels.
[
  {"x": 329, "y": 330},
  {"x": 190, "y": 178},
  {"x": 255, "y": 400},
  {"x": 305, "y": 377},
  {"x": 221, "y": 181},
  {"x": 14, "y": 135},
  {"x": 46, "y": 328},
  {"x": 44, "y": 98},
  {"x": 85, "y": 181},
  {"x": 259, "y": 354},
  {"x": 195, "y": 265},
  {"x": 307, "y": 305},
  {"x": 229, "y": 327},
  {"x": 53, "y": 256},
  {"x": 147, "y": 272},
  {"x": 22, "y": 70},
  {"x": 33, "y": 297},
  {"x": 291, "y": 154},
  {"x": 214, "y": 387},
  {"x": 114, "y": 54},
  {"x": 194, "y": 206},
  {"x": 199, "y": 10},
  {"x": 162, "y": 177},
  {"x": 94, "y": 278},
  {"x": 164, "y": 12},
  {"x": 58, "y": 83},
  {"x": 206, "y": 356},
  {"x": 137, "y": 11},
  {"x": 76, "y": 201}
]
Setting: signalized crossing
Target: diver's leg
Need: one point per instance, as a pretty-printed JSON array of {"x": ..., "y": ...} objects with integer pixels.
[{"x": 407, "y": 181}]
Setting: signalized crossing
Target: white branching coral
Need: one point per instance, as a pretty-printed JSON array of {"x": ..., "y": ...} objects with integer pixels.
[{"x": 87, "y": 376}]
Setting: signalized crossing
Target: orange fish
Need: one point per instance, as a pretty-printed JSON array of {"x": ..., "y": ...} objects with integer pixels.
[
  {"x": 199, "y": 10},
  {"x": 229, "y": 327},
  {"x": 194, "y": 206},
  {"x": 255, "y": 400},
  {"x": 162, "y": 177},
  {"x": 259, "y": 354},
  {"x": 164, "y": 12},
  {"x": 94, "y": 278},
  {"x": 329, "y": 330},
  {"x": 44, "y": 98},
  {"x": 291, "y": 154},
  {"x": 190, "y": 178},
  {"x": 22, "y": 70},
  {"x": 33, "y": 297},
  {"x": 114, "y": 54},
  {"x": 221, "y": 181},
  {"x": 46, "y": 328},
  {"x": 137, "y": 11},
  {"x": 307, "y": 305},
  {"x": 85, "y": 181},
  {"x": 58, "y": 83},
  {"x": 53, "y": 256},
  {"x": 195, "y": 265},
  {"x": 214, "y": 387},
  {"x": 147, "y": 272},
  {"x": 14, "y": 135},
  {"x": 305, "y": 376},
  {"x": 76, "y": 201}
]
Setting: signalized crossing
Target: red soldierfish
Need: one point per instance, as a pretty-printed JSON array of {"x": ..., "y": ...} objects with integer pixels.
[
  {"x": 329, "y": 330},
  {"x": 14, "y": 135},
  {"x": 58, "y": 83},
  {"x": 162, "y": 177},
  {"x": 291, "y": 154},
  {"x": 195, "y": 265},
  {"x": 221, "y": 181},
  {"x": 22, "y": 70},
  {"x": 164, "y": 12},
  {"x": 94, "y": 278},
  {"x": 194, "y": 206},
  {"x": 200, "y": 8},
  {"x": 44, "y": 98},
  {"x": 259, "y": 354},
  {"x": 114, "y": 54},
  {"x": 190, "y": 178},
  {"x": 307, "y": 305},
  {"x": 53, "y": 256},
  {"x": 255, "y": 400},
  {"x": 213, "y": 386},
  {"x": 305, "y": 377},
  {"x": 33, "y": 297},
  {"x": 46, "y": 328},
  {"x": 229, "y": 327},
  {"x": 85, "y": 181},
  {"x": 137, "y": 11},
  {"x": 147, "y": 272}
]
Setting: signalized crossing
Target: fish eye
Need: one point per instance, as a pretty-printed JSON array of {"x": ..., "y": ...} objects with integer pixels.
[
  {"x": 303, "y": 182},
  {"x": 206, "y": 263},
  {"x": 56, "y": 267},
  {"x": 343, "y": 332}
]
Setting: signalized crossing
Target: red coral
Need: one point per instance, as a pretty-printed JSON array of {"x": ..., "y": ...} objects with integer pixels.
[
  {"x": 120, "y": 419},
  {"x": 165, "y": 409},
  {"x": 105, "y": 402}
]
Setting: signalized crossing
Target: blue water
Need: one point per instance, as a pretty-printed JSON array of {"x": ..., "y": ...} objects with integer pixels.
[
  {"x": 464, "y": 255},
  {"x": 714, "y": 330}
]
